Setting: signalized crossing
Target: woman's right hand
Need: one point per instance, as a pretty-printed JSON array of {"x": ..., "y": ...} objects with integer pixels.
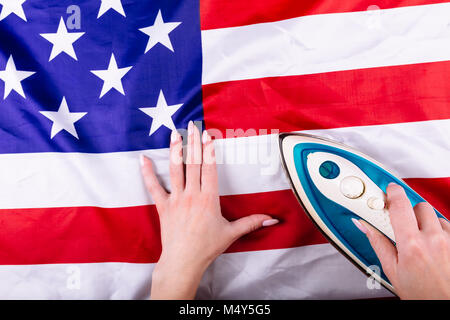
[{"x": 419, "y": 265}]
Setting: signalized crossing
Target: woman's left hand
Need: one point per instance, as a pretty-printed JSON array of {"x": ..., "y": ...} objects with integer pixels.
[{"x": 193, "y": 231}]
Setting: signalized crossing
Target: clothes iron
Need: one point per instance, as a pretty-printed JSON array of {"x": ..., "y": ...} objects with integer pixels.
[{"x": 334, "y": 184}]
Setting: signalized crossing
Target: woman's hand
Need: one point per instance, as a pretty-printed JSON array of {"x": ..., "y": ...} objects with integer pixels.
[
  {"x": 193, "y": 230},
  {"x": 419, "y": 265}
]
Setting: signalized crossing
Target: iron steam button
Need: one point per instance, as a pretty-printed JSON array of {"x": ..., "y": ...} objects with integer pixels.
[
  {"x": 352, "y": 187},
  {"x": 376, "y": 203}
]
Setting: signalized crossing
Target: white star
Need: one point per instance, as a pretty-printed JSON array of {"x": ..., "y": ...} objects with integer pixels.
[
  {"x": 13, "y": 77},
  {"x": 161, "y": 114},
  {"x": 63, "y": 119},
  {"x": 12, "y": 6},
  {"x": 159, "y": 33},
  {"x": 62, "y": 41},
  {"x": 112, "y": 77},
  {"x": 111, "y": 4}
]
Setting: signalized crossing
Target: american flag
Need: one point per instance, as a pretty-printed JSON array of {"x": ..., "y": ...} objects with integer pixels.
[{"x": 88, "y": 85}]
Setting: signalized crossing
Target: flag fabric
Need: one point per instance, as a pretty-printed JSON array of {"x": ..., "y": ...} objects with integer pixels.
[{"x": 87, "y": 86}]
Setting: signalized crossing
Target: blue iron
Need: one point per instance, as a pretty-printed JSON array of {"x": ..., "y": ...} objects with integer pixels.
[{"x": 334, "y": 184}]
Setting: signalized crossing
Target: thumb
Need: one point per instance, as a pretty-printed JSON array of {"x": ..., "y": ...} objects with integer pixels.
[
  {"x": 251, "y": 223},
  {"x": 383, "y": 247}
]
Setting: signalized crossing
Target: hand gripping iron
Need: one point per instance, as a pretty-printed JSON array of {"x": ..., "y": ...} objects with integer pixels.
[{"x": 334, "y": 184}]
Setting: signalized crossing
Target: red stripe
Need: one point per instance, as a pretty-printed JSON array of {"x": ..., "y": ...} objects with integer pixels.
[
  {"x": 435, "y": 191},
  {"x": 86, "y": 234},
  {"x": 373, "y": 96},
  {"x": 79, "y": 235},
  {"x": 91, "y": 234},
  {"x": 295, "y": 230},
  {"x": 232, "y": 13}
]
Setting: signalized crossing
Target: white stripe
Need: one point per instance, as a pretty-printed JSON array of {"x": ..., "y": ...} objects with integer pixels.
[
  {"x": 250, "y": 165},
  {"x": 310, "y": 272},
  {"x": 411, "y": 150},
  {"x": 328, "y": 42},
  {"x": 76, "y": 281}
]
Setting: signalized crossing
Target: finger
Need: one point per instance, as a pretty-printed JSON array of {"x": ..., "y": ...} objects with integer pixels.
[
  {"x": 209, "y": 168},
  {"x": 157, "y": 192},
  {"x": 383, "y": 247},
  {"x": 176, "y": 162},
  {"x": 401, "y": 213},
  {"x": 426, "y": 218},
  {"x": 193, "y": 158},
  {"x": 445, "y": 225},
  {"x": 251, "y": 223}
]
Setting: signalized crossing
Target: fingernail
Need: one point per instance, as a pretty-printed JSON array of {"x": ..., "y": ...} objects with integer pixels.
[
  {"x": 392, "y": 184},
  {"x": 141, "y": 160},
  {"x": 270, "y": 222},
  {"x": 205, "y": 137},
  {"x": 190, "y": 128},
  {"x": 360, "y": 226},
  {"x": 174, "y": 136}
]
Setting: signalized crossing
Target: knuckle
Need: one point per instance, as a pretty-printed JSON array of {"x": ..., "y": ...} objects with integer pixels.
[
  {"x": 397, "y": 205},
  {"x": 206, "y": 169},
  {"x": 188, "y": 197},
  {"x": 208, "y": 158},
  {"x": 175, "y": 166},
  {"x": 423, "y": 206},
  {"x": 176, "y": 160},
  {"x": 249, "y": 225},
  {"x": 209, "y": 196},
  {"x": 254, "y": 223},
  {"x": 251, "y": 228},
  {"x": 439, "y": 241},
  {"x": 414, "y": 248}
]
